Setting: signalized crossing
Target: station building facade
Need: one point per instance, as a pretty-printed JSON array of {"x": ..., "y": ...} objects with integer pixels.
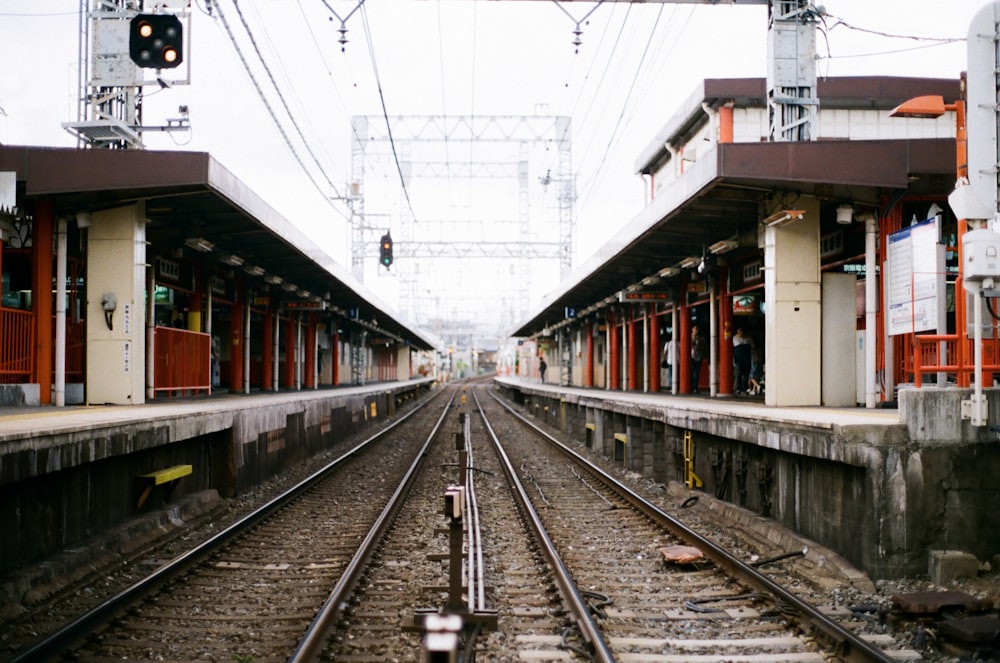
[
  {"x": 786, "y": 241},
  {"x": 135, "y": 275}
]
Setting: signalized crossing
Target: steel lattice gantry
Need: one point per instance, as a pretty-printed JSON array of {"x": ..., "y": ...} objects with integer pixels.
[{"x": 405, "y": 132}]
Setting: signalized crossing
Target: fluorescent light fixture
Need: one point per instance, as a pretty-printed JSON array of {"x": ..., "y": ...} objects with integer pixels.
[
  {"x": 254, "y": 270},
  {"x": 724, "y": 246},
  {"x": 650, "y": 280},
  {"x": 231, "y": 259},
  {"x": 289, "y": 287},
  {"x": 273, "y": 279},
  {"x": 667, "y": 272},
  {"x": 690, "y": 262},
  {"x": 784, "y": 217},
  {"x": 304, "y": 293},
  {"x": 199, "y": 244}
]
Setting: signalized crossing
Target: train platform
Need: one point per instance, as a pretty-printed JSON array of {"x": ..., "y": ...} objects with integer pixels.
[
  {"x": 40, "y": 421},
  {"x": 881, "y": 487}
]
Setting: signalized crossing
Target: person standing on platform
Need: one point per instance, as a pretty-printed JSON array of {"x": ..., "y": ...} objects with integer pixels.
[
  {"x": 698, "y": 349},
  {"x": 669, "y": 360},
  {"x": 742, "y": 353},
  {"x": 541, "y": 367}
]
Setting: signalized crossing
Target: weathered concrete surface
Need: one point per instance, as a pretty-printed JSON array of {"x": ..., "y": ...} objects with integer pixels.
[
  {"x": 879, "y": 487},
  {"x": 943, "y": 566}
]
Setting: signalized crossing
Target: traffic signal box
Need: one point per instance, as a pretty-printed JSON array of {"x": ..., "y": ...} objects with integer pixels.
[
  {"x": 385, "y": 250},
  {"x": 155, "y": 41}
]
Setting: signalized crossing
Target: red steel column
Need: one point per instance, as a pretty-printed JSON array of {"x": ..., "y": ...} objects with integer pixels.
[
  {"x": 588, "y": 379},
  {"x": 614, "y": 354},
  {"x": 653, "y": 356},
  {"x": 335, "y": 354},
  {"x": 310, "y": 372},
  {"x": 726, "y": 323},
  {"x": 235, "y": 334},
  {"x": 684, "y": 342},
  {"x": 290, "y": 338},
  {"x": 267, "y": 352},
  {"x": 633, "y": 350},
  {"x": 42, "y": 236}
]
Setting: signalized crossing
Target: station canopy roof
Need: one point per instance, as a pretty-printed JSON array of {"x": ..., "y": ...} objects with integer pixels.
[
  {"x": 189, "y": 195},
  {"x": 730, "y": 188}
]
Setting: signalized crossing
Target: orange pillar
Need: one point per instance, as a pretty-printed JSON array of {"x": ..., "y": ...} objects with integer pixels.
[
  {"x": 726, "y": 123},
  {"x": 335, "y": 354},
  {"x": 614, "y": 352},
  {"x": 962, "y": 172},
  {"x": 290, "y": 339},
  {"x": 634, "y": 340},
  {"x": 236, "y": 345},
  {"x": 310, "y": 377},
  {"x": 588, "y": 380},
  {"x": 654, "y": 351},
  {"x": 43, "y": 233},
  {"x": 267, "y": 351},
  {"x": 684, "y": 341},
  {"x": 726, "y": 323}
]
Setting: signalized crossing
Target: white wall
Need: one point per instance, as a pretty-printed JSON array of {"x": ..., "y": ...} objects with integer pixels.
[{"x": 116, "y": 263}]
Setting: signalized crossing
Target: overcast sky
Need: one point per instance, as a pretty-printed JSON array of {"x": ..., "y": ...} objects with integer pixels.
[{"x": 635, "y": 65}]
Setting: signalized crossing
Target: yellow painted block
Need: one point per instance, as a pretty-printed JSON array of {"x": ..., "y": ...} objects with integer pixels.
[
  {"x": 168, "y": 474},
  {"x": 621, "y": 437}
]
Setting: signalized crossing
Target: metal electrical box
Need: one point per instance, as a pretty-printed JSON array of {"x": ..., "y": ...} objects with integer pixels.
[{"x": 980, "y": 255}]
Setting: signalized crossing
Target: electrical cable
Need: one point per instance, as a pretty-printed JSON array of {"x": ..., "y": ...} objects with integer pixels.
[
  {"x": 935, "y": 41},
  {"x": 375, "y": 165},
  {"x": 270, "y": 109},
  {"x": 281, "y": 97},
  {"x": 840, "y": 21},
  {"x": 625, "y": 102},
  {"x": 385, "y": 112},
  {"x": 316, "y": 142},
  {"x": 444, "y": 103}
]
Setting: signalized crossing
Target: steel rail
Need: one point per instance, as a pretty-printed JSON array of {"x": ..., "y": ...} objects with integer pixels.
[
  {"x": 850, "y": 646},
  {"x": 311, "y": 645},
  {"x": 56, "y": 643},
  {"x": 475, "y": 568},
  {"x": 571, "y": 595}
]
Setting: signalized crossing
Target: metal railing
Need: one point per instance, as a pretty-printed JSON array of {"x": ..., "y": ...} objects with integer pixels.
[
  {"x": 183, "y": 361},
  {"x": 938, "y": 353},
  {"x": 17, "y": 345}
]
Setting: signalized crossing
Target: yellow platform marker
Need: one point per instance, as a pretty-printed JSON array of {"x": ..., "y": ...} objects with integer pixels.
[
  {"x": 153, "y": 479},
  {"x": 691, "y": 479}
]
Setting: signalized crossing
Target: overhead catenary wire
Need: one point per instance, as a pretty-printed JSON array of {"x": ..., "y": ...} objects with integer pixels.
[
  {"x": 271, "y": 112},
  {"x": 281, "y": 97},
  {"x": 625, "y": 103},
  {"x": 444, "y": 101},
  {"x": 374, "y": 164},
  {"x": 315, "y": 144},
  {"x": 385, "y": 111}
]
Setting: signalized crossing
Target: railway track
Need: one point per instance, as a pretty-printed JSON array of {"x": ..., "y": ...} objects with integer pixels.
[
  {"x": 638, "y": 607},
  {"x": 359, "y": 564},
  {"x": 248, "y": 593}
]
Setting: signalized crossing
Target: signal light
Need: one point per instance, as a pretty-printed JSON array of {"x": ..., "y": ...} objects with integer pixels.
[
  {"x": 385, "y": 250},
  {"x": 155, "y": 41}
]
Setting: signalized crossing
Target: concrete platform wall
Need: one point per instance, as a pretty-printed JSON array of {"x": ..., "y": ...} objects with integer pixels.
[{"x": 882, "y": 497}]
